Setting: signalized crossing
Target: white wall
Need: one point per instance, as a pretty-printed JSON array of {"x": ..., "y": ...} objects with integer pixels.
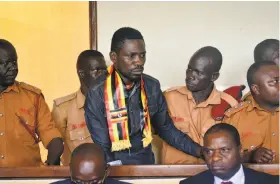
[{"x": 173, "y": 31}]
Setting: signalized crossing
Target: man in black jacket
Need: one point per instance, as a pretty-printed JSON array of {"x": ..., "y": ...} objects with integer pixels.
[
  {"x": 124, "y": 104},
  {"x": 222, "y": 152}
]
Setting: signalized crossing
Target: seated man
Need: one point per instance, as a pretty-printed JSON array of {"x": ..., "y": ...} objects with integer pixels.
[
  {"x": 257, "y": 120},
  {"x": 68, "y": 111},
  {"x": 190, "y": 106},
  {"x": 88, "y": 165},
  {"x": 267, "y": 50},
  {"x": 25, "y": 118},
  {"x": 222, "y": 152}
]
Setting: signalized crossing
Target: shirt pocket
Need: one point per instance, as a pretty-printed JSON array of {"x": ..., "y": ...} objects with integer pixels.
[
  {"x": 25, "y": 125},
  {"x": 251, "y": 140},
  {"x": 182, "y": 124},
  {"x": 78, "y": 136}
]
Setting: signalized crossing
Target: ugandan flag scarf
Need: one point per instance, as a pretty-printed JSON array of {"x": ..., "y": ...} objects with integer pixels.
[{"x": 116, "y": 111}]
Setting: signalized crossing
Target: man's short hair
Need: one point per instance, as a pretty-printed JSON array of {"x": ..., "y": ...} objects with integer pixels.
[
  {"x": 86, "y": 54},
  {"x": 210, "y": 52},
  {"x": 123, "y": 34},
  {"x": 253, "y": 70},
  {"x": 225, "y": 127},
  {"x": 6, "y": 45},
  {"x": 262, "y": 47}
]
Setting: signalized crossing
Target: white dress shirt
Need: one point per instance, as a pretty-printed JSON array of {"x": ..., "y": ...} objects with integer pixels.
[{"x": 238, "y": 178}]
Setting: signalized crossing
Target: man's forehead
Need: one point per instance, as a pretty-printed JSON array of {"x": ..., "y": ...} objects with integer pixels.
[
  {"x": 218, "y": 140},
  {"x": 7, "y": 53},
  {"x": 268, "y": 71},
  {"x": 201, "y": 62},
  {"x": 135, "y": 46}
]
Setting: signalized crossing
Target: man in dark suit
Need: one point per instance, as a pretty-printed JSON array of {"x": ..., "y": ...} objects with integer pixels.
[
  {"x": 88, "y": 165},
  {"x": 222, "y": 152}
]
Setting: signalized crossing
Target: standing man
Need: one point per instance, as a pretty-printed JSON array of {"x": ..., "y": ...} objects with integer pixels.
[
  {"x": 25, "y": 118},
  {"x": 122, "y": 107},
  {"x": 68, "y": 111}
]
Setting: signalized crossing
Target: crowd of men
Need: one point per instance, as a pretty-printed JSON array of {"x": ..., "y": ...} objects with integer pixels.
[{"x": 120, "y": 109}]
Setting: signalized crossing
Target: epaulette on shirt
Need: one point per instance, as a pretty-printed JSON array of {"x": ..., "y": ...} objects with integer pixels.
[
  {"x": 172, "y": 89},
  {"x": 30, "y": 88},
  {"x": 67, "y": 98},
  {"x": 237, "y": 108}
]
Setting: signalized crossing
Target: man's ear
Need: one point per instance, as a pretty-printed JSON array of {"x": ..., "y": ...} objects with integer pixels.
[
  {"x": 215, "y": 76},
  {"x": 81, "y": 73},
  {"x": 255, "y": 89},
  {"x": 113, "y": 57}
]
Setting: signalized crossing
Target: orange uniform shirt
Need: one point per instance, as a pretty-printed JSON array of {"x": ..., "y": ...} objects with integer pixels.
[
  {"x": 17, "y": 107},
  {"x": 256, "y": 126},
  {"x": 191, "y": 118},
  {"x": 68, "y": 114}
]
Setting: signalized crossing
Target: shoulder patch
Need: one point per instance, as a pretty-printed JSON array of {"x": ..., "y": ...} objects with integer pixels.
[
  {"x": 67, "y": 98},
  {"x": 30, "y": 88},
  {"x": 237, "y": 108}
]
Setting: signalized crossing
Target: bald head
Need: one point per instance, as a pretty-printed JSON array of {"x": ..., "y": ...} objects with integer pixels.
[
  {"x": 211, "y": 55},
  {"x": 203, "y": 69},
  {"x": 7, "y": 46},
  {"x": 267, "y": 50},
  {"x": 87, "y": 162},
  {"x": 8, "y": 64}
]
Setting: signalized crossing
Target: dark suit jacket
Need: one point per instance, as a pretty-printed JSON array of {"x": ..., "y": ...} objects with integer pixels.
[
  {"x": 251, "y": 177},
  {"x": 107, "y": 181}
]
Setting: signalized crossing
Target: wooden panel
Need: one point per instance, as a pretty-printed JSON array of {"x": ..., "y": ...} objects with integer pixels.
[
  {"x": 124, "y": 171},
  {"x": 93, "y": 24}
]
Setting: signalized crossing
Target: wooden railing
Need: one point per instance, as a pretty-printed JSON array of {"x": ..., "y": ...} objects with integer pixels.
[{"x": 128, "y": 171}]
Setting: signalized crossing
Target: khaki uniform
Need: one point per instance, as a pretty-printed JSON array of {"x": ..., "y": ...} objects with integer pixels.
[
  {"x": 191, "y": 119},
  {"x": 256, "y": 126},
  {"x": 68, "y": 114},
  {"x": 247, "y": 97},
  {"x": 19, "y": 106}
]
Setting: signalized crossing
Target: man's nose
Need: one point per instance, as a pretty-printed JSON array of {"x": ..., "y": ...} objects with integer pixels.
[{"x": 216, "y": 156}]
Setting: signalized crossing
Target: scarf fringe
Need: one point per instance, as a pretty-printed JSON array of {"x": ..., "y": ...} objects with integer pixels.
[
  {"x": 121, "y": 145},
  {"x": 147, "y": 140}
]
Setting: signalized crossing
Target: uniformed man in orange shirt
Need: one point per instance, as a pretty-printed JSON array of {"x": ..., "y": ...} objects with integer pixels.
[
  {"x": 257, "y": 120},
  {"x": 68, "y": 111},
  {"x": 267, "y": 50},
  {"x": 25, "y": 118},
  {"x": 190, "y": 106}
]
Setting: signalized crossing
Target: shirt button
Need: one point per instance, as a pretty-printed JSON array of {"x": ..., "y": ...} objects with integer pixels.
[
  {"x": 82, "y": 138},
  {"x": 3, "y": 156},
  {"x": 1, "y": 134},
  {"x": 252, "y": 147},
  {"x": 1, "y": 114},
  {"x": 273, "y": 134}
]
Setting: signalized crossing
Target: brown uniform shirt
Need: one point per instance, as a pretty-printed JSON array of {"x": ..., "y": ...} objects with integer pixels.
[
  {"x": 68, "y": 114},
  {"x": 256, "y": 126},
  {"x": 19, "y": 104},
  {"x": 190, "y": 118}
]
